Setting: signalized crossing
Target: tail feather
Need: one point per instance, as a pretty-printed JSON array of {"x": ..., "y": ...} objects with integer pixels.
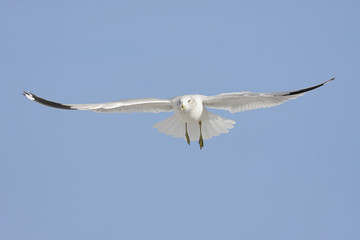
[
  {"x": 212, "y": 125},
  {"x": 171, "y": 126}
]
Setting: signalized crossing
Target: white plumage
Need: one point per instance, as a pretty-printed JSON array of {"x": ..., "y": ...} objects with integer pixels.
[{"x": 191, "y": 120}]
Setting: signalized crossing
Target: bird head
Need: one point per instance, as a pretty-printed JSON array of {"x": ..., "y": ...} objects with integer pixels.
[{"x": 186, "y": 103}]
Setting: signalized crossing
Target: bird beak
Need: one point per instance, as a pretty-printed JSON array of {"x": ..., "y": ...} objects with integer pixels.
[{"x": 182, "y": 106}]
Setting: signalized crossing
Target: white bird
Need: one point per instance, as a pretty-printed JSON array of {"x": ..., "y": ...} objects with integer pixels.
[{"x": 191, "y": 120}]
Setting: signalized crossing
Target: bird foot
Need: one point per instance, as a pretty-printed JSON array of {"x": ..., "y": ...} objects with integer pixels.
[
  {"x": 201, "y": 142},
  {"x": 187, "y": 138}
]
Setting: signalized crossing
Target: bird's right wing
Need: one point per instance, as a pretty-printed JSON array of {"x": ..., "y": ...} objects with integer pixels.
[
  {"x": 244, "y": 101},
  {"x": 154, "y": 105}
]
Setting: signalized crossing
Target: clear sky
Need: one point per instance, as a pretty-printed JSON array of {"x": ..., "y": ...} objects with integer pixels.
[{"x": 288, "y": 172}]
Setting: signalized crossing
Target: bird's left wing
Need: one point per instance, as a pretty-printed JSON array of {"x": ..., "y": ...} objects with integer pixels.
[
  {"x": 244, "y": 101},
  {"x": 123, "y": 106}
]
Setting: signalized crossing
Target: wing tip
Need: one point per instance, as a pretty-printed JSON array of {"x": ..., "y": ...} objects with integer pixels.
[
  {"x": 302, "y": 91},
  {"x": 28, "y": 95},
  {"x": 45, "y": 102},
  {"x": 331, "y": 79}
]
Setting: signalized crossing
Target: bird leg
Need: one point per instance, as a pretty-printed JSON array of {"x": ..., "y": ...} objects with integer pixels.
[
  {"x": 201, "y": 140},
  {"x": 186, "y": 134}
]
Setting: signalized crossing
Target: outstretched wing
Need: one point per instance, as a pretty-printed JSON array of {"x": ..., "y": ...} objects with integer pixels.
[
  {"x": 123, "y": 106},
  {"x": 244, "y": 101}
]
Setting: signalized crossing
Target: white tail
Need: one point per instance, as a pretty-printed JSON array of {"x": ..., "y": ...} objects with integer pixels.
[{"x": 211, "y": 125}]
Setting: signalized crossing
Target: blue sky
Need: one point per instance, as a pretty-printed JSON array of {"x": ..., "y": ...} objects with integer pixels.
[{"x": 288, "y": 172}]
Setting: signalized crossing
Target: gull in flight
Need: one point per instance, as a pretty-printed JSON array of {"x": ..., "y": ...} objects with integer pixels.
[{"x": 191, "y": 121}]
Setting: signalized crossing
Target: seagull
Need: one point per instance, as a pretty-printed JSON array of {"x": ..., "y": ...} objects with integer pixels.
[{"x": 191, "y": 120}]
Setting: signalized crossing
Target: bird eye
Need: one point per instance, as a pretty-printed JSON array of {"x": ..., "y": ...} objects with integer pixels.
[{"x": 189, "y": 101}]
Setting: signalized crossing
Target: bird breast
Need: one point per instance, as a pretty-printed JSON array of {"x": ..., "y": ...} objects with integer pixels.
[{"x": 192, "y": 112}]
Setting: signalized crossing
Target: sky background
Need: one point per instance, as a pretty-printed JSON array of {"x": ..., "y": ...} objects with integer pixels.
[{"x": 288, "y": 172}]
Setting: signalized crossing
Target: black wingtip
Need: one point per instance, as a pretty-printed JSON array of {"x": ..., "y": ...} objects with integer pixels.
[
  {"x": 28, "y": 95},
  {"x": 331, "y": 79},
  {"x": 45, "y": 102},
  {"x": 308, "y": 89}
]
